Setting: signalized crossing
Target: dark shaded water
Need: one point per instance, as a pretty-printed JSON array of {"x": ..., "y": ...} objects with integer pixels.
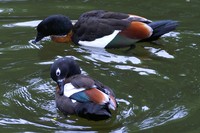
[{"x": 157, "y": 85}]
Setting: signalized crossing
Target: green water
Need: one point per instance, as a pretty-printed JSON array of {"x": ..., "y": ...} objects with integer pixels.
[{"x": 157, "y": 86}]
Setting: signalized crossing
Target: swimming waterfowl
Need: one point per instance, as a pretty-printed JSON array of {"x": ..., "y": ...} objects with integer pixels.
[
  {"x": 80, "y": 94},
  {"x": 103, "y": 29}
]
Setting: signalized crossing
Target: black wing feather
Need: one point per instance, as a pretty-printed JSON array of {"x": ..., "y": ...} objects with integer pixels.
[
  {"x": 96, "y": 24},
  {"x": 81, "y": 81}
]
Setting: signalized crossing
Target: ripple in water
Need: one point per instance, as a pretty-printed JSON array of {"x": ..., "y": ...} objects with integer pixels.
[
  {"x": 159, "y": 52},
  {"x": 6, "y": 10},
  {"x": 33, "y": 23},
  {"x": 99, "y": 54},
  {"x": 23, "y": 24},
  {"x": 141, "y": 71},
  {"x": 164, "y": 117}
]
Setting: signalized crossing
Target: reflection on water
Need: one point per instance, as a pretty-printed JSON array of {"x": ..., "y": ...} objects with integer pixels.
[
  {"x": 98, "y": 54},
  {"x": 164, "y": 117},
  {"x": 173, "y": 34},
  {"x": 70, "y": 125},
  {"x": 11, "y": 121},
  {"x": 23, "y": 24},
  {"x": 33, "y": 23},
  {"x": 159, "y": 52},
  {"x": 37, "y": 46},
  {"x": 6, "y": 10},
  {"x": 141, "y": 71},
  {"x": 121, "y": 61},
  {"x": 20, "y": 47}
]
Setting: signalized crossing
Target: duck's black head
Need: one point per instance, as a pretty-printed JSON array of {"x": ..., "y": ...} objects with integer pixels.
[
  {"x": 62, "y": 69},
  {"x": 53, "y": 25}
]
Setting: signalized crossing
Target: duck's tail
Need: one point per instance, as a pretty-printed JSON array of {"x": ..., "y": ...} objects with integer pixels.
[
  {"x": 92, "y": 111},
  {"x": 160, "y": 28}
]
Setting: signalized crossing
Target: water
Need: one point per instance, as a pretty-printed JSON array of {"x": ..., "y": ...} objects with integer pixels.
[{"x": 157, "y": 86}]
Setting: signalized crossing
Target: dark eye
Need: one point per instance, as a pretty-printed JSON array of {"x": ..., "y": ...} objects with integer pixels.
[{"x": 58, "y": 72}]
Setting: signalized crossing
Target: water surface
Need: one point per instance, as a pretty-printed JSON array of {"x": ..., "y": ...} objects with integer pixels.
[{"x": 157, "y": 86}]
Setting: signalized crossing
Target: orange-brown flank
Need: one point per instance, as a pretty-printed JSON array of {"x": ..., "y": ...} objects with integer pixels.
[
  {"x": 137, "y": 30},
  {"x": 95, "y": 95}
]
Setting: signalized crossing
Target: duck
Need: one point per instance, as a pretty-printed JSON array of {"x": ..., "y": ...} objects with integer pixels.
[
  {"x": 79, "y": 94},
  {"x": 103, "y": 29}
]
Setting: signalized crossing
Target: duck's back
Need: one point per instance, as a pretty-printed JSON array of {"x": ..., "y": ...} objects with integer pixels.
[
  {"x": 103, "y": 29},
  {"x": 84, "y": 96},
  {"x": 98, "y": 24}
]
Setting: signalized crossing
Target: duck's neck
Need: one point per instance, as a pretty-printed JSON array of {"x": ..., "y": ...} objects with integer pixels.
[{"x": 63, "y": 38}]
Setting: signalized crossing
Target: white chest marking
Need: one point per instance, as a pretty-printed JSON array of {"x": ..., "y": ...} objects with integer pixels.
[
  {"x": 100, "y": 42},
  {"x": 69, "y": 90}
]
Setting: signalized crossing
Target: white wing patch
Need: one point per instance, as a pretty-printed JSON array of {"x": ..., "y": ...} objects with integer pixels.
[
  {"x": 100, "y": 42},
  {"x": 139, "y": 18},
  {"x": 69, "y": 90}
]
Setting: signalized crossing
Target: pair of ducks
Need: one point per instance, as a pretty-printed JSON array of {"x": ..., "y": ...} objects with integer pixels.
[{"x": 79, "y": 94}]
